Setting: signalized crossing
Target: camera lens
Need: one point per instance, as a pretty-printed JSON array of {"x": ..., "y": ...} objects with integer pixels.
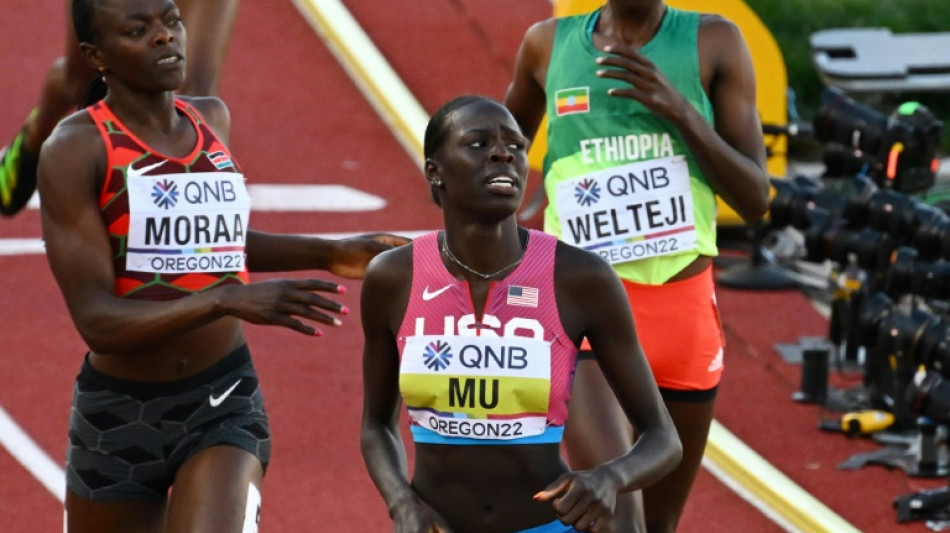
[
  {"x": 870, "y": 315},
  {"x": 908, "y": 274},
  {"x": 843, "y": 161},
  {"x": 933, "y": 347},
  {"x": 900, "y": 332},
  {"x": 897, "y": 151},
  {"x": 835, "y": 241},
  {"x": 891, "y": 212},
  {"x": 928, "y": 394},
  {"x": 931, "y": 237},
  {"x": 793, "y": 202},
  {"x": 900, "y": 274},
  {"x": 842, "y": 120}
]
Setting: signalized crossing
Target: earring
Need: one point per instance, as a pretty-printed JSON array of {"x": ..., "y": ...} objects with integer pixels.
[{"x": 437, "y": 183}]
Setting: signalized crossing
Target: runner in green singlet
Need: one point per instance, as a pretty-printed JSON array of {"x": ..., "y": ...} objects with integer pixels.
[{"x": 651, "y": 114}]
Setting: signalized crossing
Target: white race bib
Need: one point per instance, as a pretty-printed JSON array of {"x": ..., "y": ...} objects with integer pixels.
[
  {"x": 187, "y": 223},
  {"x": 477, "y": 387},
  {"x": 629, "y": 212}
]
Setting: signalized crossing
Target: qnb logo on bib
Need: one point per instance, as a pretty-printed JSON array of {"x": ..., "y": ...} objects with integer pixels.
[
  {"x": 631, "y": 211},
  {"x": 165, "y": 194},
  {"x": 437, "y": 355},
  {"x": 491, "y": 388},
  {"x": 587, "y": 192},
  {"x": 187, "y": 223}
]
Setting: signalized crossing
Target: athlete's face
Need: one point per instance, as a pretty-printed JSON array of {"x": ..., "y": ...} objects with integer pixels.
[
  {"x": 483, "y": 163},
  {"x": 141, "y": 43}
]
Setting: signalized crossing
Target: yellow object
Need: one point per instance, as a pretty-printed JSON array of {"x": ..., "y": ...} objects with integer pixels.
[
  {"x": 770, "y": 73},
  {"x": 866, "y": 422}
]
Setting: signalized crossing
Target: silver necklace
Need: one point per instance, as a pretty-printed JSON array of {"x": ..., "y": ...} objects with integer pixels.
[{"x": 451, "y": 256}]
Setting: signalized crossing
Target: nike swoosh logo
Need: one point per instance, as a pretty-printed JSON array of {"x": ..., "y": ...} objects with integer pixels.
[
  {"x": 426, "y": 295},
  {"x": 136, "y": 172},
  {"x": 217, "y": 401}
]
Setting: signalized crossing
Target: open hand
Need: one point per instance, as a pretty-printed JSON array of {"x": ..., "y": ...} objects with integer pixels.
[
  {"x": 353, "y": 254},
  {"x": 648, "y": 85},
  {"x": 283, "y": 302}
]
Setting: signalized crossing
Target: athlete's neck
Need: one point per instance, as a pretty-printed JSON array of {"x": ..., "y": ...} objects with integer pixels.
[
  {"x": 157, "y": 112},
  {"x": 483, "y": 252},
  {"x": 630, "y": 23}
]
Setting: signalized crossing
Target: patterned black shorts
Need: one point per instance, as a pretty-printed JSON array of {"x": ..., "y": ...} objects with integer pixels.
[{"x": 127, "y": 439}]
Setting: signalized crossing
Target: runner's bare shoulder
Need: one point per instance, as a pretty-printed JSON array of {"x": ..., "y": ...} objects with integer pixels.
[
  {"x": 75, "y": 148},
  {"x": 214, "y": 111}
]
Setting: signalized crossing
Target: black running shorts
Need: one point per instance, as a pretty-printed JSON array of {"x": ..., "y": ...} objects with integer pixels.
[{"x": 127, "y": 439}]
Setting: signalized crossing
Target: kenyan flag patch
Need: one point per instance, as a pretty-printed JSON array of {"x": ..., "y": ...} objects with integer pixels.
[
  {"x": 220, "y": 160},
  {"x": 570, "y": 101}
]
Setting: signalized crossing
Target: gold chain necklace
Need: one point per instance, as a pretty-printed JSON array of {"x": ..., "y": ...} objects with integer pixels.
[{"x": 451, "y": 256}]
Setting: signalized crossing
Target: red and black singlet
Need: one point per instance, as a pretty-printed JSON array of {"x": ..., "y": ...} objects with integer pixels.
[{"x": 176, "y": 225}]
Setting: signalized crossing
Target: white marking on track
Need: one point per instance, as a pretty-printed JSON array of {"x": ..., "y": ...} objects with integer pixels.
[
  {"x": 31, "y": 456},
  {"x": 21, "y": 246},
  {"x": 334, "y": 198}
]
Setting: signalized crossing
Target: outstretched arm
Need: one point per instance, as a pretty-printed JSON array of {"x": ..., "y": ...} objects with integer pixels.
[
  {"x": 81, "y": 259},
  {"x": 269, "y": 252}
]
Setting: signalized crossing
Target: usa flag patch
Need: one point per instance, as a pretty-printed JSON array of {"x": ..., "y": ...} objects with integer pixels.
[
  {"x": 522, "y": 296},
  {"x": 220, "y": 160}
]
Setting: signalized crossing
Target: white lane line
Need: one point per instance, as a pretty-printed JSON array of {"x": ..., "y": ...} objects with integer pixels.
[
  {"x": 333, "y": 198},
  {"x": 292, "y": 197},
  {"x": 31, "y": 456},
  {"x": 21, "y": 247}
]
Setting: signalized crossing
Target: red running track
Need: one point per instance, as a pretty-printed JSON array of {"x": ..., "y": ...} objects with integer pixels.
[{"x": 298, "y": 119}]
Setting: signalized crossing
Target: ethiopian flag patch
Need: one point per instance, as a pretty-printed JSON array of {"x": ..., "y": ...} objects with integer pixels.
[{"x": 575, "y": 100}]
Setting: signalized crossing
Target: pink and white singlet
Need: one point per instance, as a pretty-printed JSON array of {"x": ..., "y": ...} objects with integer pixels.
[{"x": 501, "y": 378}]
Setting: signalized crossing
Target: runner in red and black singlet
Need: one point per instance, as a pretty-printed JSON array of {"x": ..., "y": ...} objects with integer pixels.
[
  {"x": 145, "y": 221},
  {"x": 127, "y": 157}
]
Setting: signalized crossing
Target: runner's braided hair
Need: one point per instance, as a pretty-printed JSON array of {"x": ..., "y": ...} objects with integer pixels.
[{"x": 84, "y": 11}]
